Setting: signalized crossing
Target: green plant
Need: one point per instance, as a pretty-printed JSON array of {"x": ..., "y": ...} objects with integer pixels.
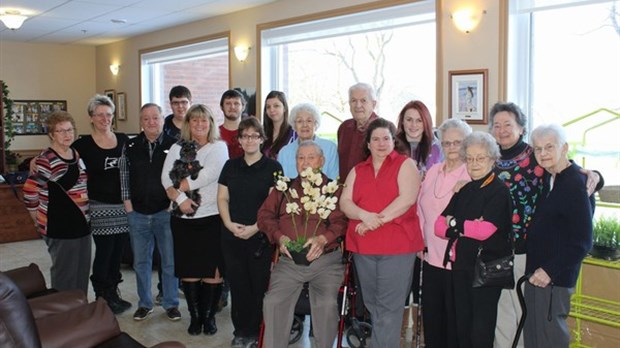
[
  {"x": 8, "y": 124},
  {"x": 606, "y": 232}
]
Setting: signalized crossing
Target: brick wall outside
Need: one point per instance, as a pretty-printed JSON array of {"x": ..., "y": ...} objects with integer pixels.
[{"x": 206, "y": 78}]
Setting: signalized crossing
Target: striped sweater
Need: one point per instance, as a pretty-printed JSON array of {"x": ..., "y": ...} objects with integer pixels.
[{"x": 50, "y": 167}]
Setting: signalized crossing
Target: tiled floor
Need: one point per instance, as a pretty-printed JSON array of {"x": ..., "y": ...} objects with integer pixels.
[{"x": 157, "y": 327}]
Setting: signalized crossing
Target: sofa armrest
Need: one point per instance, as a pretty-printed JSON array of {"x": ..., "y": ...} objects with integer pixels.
[
  {"x": 58, "y": 302},
  {"x": 29, "y": 279},
  {"x": 84, "y": 326}
]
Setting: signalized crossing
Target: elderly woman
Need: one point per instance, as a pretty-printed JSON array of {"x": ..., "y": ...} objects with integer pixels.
[
  {"x": 476, "y": 220},
  {"x": 244, "y": 184},
  {"x": 435, "y": 193},
  {"x": 519, "y": 170},
  {"x": 57, "y": 200},
  {"x": 278, "y": 131},
  {"x": 384, "y": 232},
  {"x": 306, "y": 119},
  {"x": 559, "y": 237},
  {"x": 196, "y": 227},
  {"x": 101, "y": 152}
]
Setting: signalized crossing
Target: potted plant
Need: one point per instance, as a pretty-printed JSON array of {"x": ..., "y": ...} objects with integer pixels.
[
  {"x": 318, "y": 198},
  {"x": 606, "y": 238},
  {"x": 10, "y": 157}
]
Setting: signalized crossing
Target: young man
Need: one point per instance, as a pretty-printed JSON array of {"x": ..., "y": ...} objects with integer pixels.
[
  {"x": 232, "y": 104},
  {"x": 180, "y": 101},
  {"x": 147, "y": 205}
]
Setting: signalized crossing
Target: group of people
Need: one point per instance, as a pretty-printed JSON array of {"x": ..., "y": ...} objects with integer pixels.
[{"x": 204, "y": 197}]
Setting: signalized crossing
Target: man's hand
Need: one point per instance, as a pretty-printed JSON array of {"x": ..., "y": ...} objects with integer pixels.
[
  {"x": 317, "y": 247},
  {"x": 591, "y": 181},
  {"x": 540, "y": 278},
  {"x": 283, "y": 249}
]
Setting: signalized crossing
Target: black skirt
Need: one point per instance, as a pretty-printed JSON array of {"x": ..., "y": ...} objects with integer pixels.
[{"x": 197, "y": 246}]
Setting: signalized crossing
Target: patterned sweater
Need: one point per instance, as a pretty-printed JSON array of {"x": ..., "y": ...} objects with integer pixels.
[
  {"x": 52, "y": 168},
  {"x": 520, "y": 171}
]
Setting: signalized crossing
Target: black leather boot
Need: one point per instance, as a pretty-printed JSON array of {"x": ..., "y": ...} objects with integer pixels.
[
  {"x": 213, "y": 292},
  {"x": 193, "y": 297}
]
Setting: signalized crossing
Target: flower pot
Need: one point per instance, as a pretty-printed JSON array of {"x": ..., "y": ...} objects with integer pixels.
[
  {"x": 604, "y": 252},
  {"x": 299, "y": 257}
]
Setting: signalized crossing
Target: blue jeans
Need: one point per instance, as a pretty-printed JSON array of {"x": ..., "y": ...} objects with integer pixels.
[{"x": 144, "y": 230}]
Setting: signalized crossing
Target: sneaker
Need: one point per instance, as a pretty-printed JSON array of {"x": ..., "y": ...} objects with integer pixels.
[
  {"x": 142, "y": 313},
  {"x": 158, "y": 299},
  {"x": 173, "y": 313},
  {"x": 238, "y": 342}
]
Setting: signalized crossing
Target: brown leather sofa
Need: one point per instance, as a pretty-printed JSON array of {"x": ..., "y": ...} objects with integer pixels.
[{"x": 61, "y": 319}]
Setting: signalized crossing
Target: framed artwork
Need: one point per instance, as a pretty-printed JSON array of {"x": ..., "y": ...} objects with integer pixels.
[
  {"x": 468, "y": 95},
  {"x": 121, "y": 106},
  {"x": 29, "y": 116}
]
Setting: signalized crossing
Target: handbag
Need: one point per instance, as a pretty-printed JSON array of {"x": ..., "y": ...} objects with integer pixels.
[{"x": 498, "y": 272}]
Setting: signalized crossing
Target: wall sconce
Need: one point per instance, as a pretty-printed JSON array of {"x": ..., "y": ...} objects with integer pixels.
[
  {"x": 466, "y": 20},
  {"x": 241, "y": 52},
  {"x": 114, "y": 68},
  {"x": 12, "y": 19}
]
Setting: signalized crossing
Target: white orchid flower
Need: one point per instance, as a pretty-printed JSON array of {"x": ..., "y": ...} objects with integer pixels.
[
  {"x": 292, "y": 208},
  {"x": 293, "y": 193},
  {"x": 281, "y": 186},
  {"x": 324, "y": 213}
]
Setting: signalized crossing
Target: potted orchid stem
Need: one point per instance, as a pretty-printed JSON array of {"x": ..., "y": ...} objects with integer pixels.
[{"x": 318, "y": 198}]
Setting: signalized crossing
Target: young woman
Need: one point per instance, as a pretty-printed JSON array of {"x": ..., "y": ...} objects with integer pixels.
[{"x": 277, "y": 128}]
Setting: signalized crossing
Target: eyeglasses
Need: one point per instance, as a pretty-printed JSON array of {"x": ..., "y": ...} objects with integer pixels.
[
  {"x": 479, "y": 159},
  {"x": 180, "y": 102},
  {"x": 302, "y": 122},
  {"x": 64, "y": 131},
  {"x": 252, "y": 137},
  {"x": 104, "y": 114},
  {"x": 547, "y": 148},
  {"x": 450, "y": 143}
]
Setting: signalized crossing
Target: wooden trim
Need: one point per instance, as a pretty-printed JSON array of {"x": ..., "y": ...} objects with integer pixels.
[
  {"x": 439, "y": 117},
  {"x": 502, "y": 71},
  {"x": 308, "y": 18}
]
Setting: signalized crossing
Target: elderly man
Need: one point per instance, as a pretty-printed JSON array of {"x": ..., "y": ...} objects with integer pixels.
[
  {"x": 324, "y": 273},
  {"x": 351, "y": 133},
  {"x": 146, "y": 204}
]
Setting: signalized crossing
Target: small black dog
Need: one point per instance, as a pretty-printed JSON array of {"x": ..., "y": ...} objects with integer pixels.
[{"x": 186, "y": 166}]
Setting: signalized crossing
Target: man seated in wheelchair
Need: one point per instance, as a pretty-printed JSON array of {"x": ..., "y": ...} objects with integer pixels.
[{"x": 304, "y": 209}]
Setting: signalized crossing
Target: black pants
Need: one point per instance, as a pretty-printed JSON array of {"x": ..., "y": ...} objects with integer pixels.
[
  {"x": 438, "y": 312},
  {"x": 248, "y": 276},
  {"x": 476, "y": 311},
  {"x": 107, "y": 263}
]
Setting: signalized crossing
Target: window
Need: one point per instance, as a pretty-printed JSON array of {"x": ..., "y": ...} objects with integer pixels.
[
  {"x": 391, "y": 48},
  {"x": 563, "y": 65},
  {"x": 202, "y": 67}
]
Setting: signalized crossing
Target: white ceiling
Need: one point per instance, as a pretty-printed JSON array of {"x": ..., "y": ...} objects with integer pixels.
[{"x": 89, "y": 22}]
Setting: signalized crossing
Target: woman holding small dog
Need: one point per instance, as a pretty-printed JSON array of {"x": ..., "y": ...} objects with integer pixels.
[{"x": 196, "y": 228}]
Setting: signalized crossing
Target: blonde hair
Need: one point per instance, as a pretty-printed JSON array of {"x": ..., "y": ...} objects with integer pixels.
[{"x": 200, "y": 111}]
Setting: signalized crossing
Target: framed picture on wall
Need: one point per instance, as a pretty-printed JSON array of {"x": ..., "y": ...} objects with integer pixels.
[
  {"x": 30, "y": 116},
  {"x": 468, "y": 95},
  {"x": 121, "y": 106}
]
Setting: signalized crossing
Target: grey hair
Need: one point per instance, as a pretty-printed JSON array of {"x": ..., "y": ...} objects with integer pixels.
[
  {"x": 364, "y": 86},
  {"x": 151, "y": 105},
  {"x": 551, "y": 129},
  {"x": 99, "y": 100},
  {"x": 307, "y": 143},
  {"x": 454, "y": 123},
  {"x": 484, "y": 139},
  {"x": 306, "y": 107},
  {"x": 511, "y": 108}
]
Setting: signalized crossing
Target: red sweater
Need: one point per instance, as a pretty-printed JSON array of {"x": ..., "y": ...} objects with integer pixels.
[
  {"x": 351, "y": 145},
  {"x": 401, "y": 235}
]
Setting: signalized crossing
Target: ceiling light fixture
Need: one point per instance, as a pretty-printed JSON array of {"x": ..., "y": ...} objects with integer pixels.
[{"x": 12, "y": 19}]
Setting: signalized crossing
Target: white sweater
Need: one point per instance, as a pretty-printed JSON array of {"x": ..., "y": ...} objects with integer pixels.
[{"x": 212, "y": 157}]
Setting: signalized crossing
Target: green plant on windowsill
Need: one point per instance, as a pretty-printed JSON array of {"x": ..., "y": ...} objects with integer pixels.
[{"x": 606, "y": 238}]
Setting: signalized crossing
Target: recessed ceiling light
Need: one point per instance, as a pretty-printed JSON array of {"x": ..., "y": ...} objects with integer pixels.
[{"x": 118, "y": 21}]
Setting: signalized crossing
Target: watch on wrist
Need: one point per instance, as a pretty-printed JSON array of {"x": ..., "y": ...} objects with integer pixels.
[{"x": 452, "y": 222}]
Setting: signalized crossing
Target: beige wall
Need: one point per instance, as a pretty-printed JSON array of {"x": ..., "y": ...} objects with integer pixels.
[
  {"x": 32, "y": 70},
  {"x": 49, "y": 72}
]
